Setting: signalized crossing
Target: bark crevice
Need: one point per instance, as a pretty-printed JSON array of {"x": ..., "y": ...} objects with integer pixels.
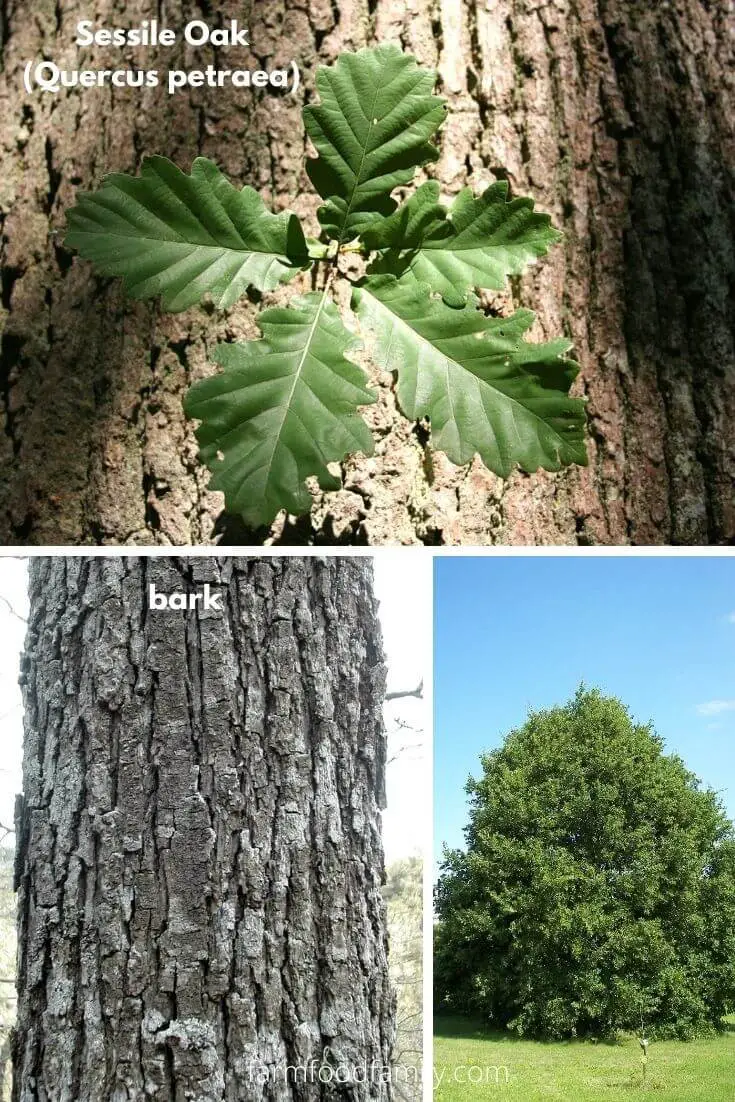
[
  {"x": 613, "y": 114},
  {"x": 199, "y": 852}
]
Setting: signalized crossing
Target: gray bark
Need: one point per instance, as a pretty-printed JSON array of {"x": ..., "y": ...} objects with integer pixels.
[{"x": 199, "y": 854}]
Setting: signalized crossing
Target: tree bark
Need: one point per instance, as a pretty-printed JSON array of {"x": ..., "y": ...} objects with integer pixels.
[
  {"x": 616, "y": 115},
  {"x": 199, "y": 856}
]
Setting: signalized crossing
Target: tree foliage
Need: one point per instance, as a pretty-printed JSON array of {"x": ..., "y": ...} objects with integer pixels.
[
  {"x": 596, "y": 892},
  {"x": 286, "y": 406}
]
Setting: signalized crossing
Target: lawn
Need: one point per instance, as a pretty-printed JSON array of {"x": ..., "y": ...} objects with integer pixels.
[{"x": 518, "y": 1070}]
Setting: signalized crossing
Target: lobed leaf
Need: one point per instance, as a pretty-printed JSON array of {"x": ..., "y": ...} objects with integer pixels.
[
  {"x": 476, "y": 244},
  {"x": 485, "y": 389},
  {"x": 185, "y": 236},
  {"x": 371, "y": 131},
  {"x": 283, "y": 408}
]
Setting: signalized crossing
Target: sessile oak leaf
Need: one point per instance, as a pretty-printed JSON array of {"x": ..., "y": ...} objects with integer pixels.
[
  {"x": 281, "y": 410},
  {"x": 182, "y": 237},
  {"x": 485, "y": 389},
  {"x": 371, "y": 131},
  {"x": 478, "y": 243}
]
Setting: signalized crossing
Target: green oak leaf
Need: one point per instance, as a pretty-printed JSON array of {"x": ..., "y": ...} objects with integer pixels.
[
  {"x": 484, "y": 388},
  {"x": 185, "y": 236},
  {"x": 478, "y": 243},
  {"x": 371, "y": 131},
  {"x": 283, "y": 408}
]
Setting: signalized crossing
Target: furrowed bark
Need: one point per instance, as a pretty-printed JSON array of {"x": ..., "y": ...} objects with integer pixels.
[
  {"x": 199, "y": 853},
  {"x": 614, "y": 114}
]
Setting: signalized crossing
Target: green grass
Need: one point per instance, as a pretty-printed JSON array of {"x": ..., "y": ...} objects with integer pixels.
[{"x": 580, "y": 1071}]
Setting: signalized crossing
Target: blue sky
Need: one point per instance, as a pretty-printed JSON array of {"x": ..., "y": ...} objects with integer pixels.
[{"x": 522, "y": 632}]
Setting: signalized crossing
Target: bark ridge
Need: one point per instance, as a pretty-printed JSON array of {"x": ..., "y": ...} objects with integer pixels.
[
  {"x": 616, "y": 115},
  {"x": 199, "y": 852}
]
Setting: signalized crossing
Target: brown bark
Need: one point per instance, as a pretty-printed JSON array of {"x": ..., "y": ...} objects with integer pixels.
[
  {"x": 615, "y": 114},
  {"x": 199, "y": 856}
]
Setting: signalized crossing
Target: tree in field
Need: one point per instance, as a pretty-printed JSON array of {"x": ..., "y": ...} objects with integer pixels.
[
  {"x": 199, "y": 857},
  {"x": 596, "y": 892},
  {"x": 615, "y": 115}
]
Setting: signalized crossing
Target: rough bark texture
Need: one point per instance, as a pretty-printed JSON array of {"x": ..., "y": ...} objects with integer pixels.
[
  {"x": 615, "y": 114},
  {"x": 199, "y": 855}
]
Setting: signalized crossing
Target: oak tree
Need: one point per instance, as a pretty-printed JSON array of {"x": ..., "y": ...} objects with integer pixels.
[{"x": 596, "y": 891}]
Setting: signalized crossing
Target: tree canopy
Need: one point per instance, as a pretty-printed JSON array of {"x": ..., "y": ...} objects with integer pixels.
[{"x": 596, "y": 892}]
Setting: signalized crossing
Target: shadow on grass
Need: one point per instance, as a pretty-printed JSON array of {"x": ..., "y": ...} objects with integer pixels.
[{"x": 474, "y": 1029}]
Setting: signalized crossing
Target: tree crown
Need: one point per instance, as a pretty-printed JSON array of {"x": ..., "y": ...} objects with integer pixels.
[{"x": 597, "y": 883}]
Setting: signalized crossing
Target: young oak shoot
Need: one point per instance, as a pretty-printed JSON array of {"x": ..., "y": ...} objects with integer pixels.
[{"x": 285, "y": 406}]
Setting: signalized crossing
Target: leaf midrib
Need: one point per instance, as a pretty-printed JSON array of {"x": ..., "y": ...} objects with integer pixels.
[
  {"x": 358, "y": 174},
  {"x": 181, "y": 243},
  {"x": 297, "y": 375}
]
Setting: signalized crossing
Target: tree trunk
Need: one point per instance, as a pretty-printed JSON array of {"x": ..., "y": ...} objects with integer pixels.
[
  {"x": 616, "y": 115},
  {"x": 199, "y": 854}
]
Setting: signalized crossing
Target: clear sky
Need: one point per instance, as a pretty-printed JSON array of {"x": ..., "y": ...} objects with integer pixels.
[
  {"x": 403, "y": 589},
  {"x": 516, "y": 633}
]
